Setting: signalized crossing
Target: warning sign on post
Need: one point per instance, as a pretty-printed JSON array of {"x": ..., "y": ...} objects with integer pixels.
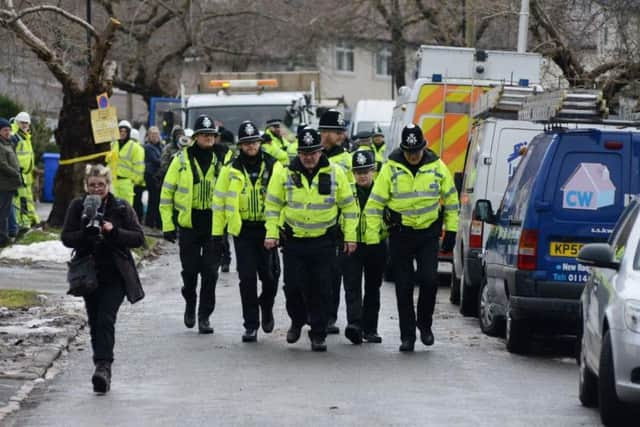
[{"x": 104, "y": 123}]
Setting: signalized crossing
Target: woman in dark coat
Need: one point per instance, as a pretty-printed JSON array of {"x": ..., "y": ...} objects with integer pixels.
[{"x": 109, "y": 238}]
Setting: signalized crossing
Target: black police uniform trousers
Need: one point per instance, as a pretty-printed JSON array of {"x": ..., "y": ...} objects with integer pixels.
[
  {"x": 308, "y": 268},
  {"x": 367, "y": 260},
  {"x": 254, "y": 260},
  {"x": 407, "y": 244},
  {"x": 336, "y": 281},
  {"x": 198, "y": 257},
  {"x": 102, "y": 310}
]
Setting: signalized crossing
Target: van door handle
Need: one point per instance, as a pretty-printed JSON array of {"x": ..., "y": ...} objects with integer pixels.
[{"x": 469, "y": 190}]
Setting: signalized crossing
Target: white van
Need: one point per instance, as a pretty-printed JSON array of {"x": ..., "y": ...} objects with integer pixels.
[
  {"x": 368, "y": 113},
  {"x": 492, "y": 155}
]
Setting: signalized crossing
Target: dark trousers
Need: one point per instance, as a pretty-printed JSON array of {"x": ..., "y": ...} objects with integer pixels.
[
  {"x": 137, "y": 201},
  {"x": 405, "y": 246},
  {"x": 102, "y": 310},
  {"x": 368, "y": 260},
  {"x": 307, "y": 276},
  {"x": 6, "y": 200},
  {"x": 152, "y": 219},
  {"x": 197, "y": 256},
  {"x": 254, "y": 260},
  {"x": 336, "y": 281},
  {"x": 226, "y": 249}
]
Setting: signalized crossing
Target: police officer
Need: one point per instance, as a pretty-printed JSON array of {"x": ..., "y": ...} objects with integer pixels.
[
  {"x": 332, "y": 128},
  {"x": 274, "y": 130},
  {"x": 306, "y": 198},
  {"x": 188, "y": 187},
  {"x": 378, "y": 146},
  {"x": 272, "y": 148},
  {"x": 410, "y": 189},
  {"x": 26, "y": 215},
  {"x": 239, "y": 205},
  {"x": 362, "y": 314},
  {"x": 127, "y": 163}
]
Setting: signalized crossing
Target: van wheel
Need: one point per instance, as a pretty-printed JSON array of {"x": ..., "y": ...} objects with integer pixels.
[
  {"x": 454, "y": 291},
  {"x": 612, "y": 411},
  {"x": 517, "y": 334},
  {"x": 489, "y": 323},
  {"x": 468, "y": 297},
  {"x": 588, "y": 385}
]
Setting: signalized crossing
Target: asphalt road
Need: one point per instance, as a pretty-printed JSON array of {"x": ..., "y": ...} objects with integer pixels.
[{"x": 166, "y": 375}]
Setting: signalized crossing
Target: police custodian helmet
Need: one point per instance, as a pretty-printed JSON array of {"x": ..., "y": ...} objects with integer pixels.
[
  {"x": 412, "y": 138},
  {"x": 363, "y": 160},
  {"x": 204, "y": 124},
  {"x": 248, "y": 132},
  {"x": 309, "y": 140},
  {"x": 332, "y": 120}
]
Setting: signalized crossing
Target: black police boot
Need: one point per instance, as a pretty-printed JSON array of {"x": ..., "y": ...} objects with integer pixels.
[
  {"x": 426, "y": 336},
  {"x": 268, "y": 322},
  {"x": 407, "y": 345},
  {"x": 372, "y": 337},
  {"x": 190, "y": 308},
  {"x": 250, "y": 335},
  {"x": 318, "y": 344},
  {"x": 204, "y": 327},
  {"x": 353, "y": 334},
  {"x": 293, "y": 334},
  {"x": 332, "y": 329},
  {"x": 101, "y": 378}
]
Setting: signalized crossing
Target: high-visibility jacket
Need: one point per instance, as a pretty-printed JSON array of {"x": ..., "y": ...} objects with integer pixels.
[
  {"x": 24, "y": 152},
  {"x": 292, "y": 150},
  {"x": 237, "y": 199},
  {"x": 340, "y": 156},
  {"x": 362, "y": 219},
  {"x": 273, "y": 150},
  {"x": 416, "y": 198},
  {"x": 127, "y": 166},
  {"x": 379, "y": 151},
  {"x": 278, "y": 141},
  {"x": 185, "y": 189},
  {"x": 303, "y": 208}
]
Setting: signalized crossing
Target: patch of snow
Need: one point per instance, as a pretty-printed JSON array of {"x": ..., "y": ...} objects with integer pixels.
[{"x": 50, "y": 251}]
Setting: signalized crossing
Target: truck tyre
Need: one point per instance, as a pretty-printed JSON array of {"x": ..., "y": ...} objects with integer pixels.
[
  {"x": 517, "y": 334},
  {"x": 588, "y": 383},
  {"x": 454, "y": 289},
  {"x": 468, "y": 297},
  {"x": 612, "y": 411},
  {"x": 489, "y": 323}
]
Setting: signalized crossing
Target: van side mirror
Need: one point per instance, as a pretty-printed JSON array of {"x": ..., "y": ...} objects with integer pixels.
[
  {"x": 483, "y": 211},
  {"x": 457, "y": 181},
  {"x": 598, "y": 255}
]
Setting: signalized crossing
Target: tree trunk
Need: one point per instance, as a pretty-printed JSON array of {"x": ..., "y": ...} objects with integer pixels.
[{"x": 75, "y": 139}]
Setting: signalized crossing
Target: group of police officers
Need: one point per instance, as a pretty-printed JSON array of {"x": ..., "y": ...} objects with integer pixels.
[{"x": 336, "y": 215}]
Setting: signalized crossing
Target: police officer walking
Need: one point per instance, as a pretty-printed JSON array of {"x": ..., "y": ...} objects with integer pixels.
[
  {"x": 367, "y": 260},
  {"x": 188, "y": 187},
  {"x": 332, "y": 127},
  {"x": 409, "y": 190},
  {"x": 239, "y": 205},
  {"x": 127, "y": 163},
  {"x": 308, "y": 196}
]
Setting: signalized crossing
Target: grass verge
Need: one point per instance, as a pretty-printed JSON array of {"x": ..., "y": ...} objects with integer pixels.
[
  {"x": 37, "y": 235},
  {"x": 13, "y": 298}
]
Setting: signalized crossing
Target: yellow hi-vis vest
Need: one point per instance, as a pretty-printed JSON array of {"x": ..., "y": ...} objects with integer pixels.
[
  {"x": 278, "y": 141},
  {"x": 416, "y": 198},
  {"x": 272, "y": 149},
  {"x": 179, "y": 191},
  {"x": 304, "y": 209},
  {"x": 129, "y": 161},
  {"x": 24, "y": 152},
  {"x": 362, "y": 220},
  {"x": 237, "y": 199}
]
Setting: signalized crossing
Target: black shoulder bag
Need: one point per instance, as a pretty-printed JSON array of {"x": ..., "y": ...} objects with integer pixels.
[{"x": 81, "y": 275}]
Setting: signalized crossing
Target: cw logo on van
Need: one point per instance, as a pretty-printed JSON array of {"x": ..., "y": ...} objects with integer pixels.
[{"x": 588, "y": 188}]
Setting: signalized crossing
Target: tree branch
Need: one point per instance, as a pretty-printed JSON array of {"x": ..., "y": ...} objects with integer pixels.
[
  {"x": 102, "y": 47},
  {"x": 379, "y": 6},
  {"x": 49, "y": 8}
]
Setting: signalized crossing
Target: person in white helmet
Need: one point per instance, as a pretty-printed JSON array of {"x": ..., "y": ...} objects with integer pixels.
[
  {"x": 23, "y": 202},
  {"x": 126, "y": 163}
]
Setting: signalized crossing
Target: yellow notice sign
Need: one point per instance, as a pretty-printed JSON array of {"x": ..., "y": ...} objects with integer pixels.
[{"x": 104, "y": 123}]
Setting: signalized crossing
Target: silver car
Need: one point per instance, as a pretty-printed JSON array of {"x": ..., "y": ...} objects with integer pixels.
[{"x": 609, "y": 353}]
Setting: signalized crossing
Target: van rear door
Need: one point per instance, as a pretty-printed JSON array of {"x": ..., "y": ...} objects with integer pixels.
[{"x": 585, "y": 192}]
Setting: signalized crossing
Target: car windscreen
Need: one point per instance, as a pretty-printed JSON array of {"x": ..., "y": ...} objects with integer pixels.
[
  {"x": 232, "y": 116},
  {"x": 368, "y": 126}
]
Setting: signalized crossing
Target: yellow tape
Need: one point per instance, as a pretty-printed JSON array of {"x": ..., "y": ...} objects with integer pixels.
[{"x": 104, "y": 154}]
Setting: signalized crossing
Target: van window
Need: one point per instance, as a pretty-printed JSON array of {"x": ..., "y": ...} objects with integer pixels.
[
  {"x": 471, "y": 161},
  {"x": 516, "y": 196}
]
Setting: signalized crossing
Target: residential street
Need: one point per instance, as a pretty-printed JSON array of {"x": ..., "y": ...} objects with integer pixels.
[{"x": 166, "y": 375}]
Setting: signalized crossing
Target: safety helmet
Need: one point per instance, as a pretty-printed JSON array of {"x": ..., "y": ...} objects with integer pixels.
[
  {"x": 412, "y": 138},
  {"x": 124, "y": 124},
  {"x": 248, "y": 132},
  {"x": 309, "y": 141},
  {"x": 23, "y": 117},
  {"x": 205, "y": 125},
  {"x": 135, "y": 135}
]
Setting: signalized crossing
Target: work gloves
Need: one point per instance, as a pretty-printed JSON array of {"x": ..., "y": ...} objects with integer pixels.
[{"x": 449, "y": 241}]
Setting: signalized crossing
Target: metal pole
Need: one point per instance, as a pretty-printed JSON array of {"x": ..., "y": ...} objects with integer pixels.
[
  {"x": 469, "y": 24},
  {"x": 523, "y": 26},
  {"x": 88, "y": 33}
]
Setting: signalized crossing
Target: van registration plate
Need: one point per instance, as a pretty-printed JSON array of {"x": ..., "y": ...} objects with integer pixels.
[{"x": 565, "y": 249}]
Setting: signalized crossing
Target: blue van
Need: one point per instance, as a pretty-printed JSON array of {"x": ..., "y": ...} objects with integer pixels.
[{"x": 568, "y": 190}]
